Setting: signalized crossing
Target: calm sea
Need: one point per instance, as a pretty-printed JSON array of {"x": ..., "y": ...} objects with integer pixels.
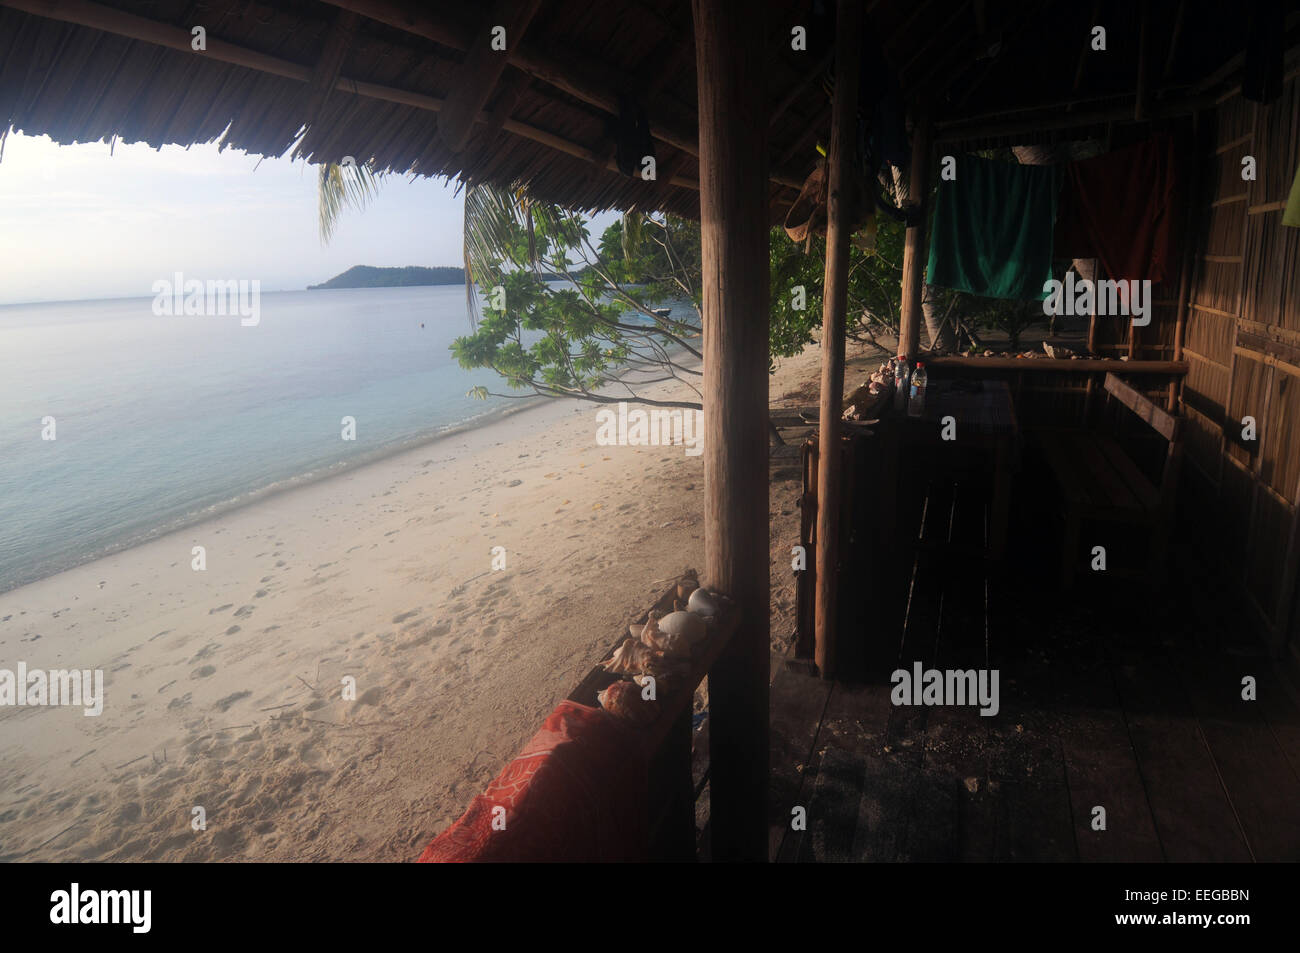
[{"x": 163, "y": 421}]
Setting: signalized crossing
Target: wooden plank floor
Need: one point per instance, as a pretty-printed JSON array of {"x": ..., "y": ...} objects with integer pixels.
[{"x": 1122, "y": 733}]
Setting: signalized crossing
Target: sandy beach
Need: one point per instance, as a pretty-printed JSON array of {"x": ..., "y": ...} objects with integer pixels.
[{"x": 224, "y": 687}]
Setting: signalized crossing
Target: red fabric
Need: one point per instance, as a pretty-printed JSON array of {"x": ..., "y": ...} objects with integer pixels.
[
  {"x": 1121, "y": 207},
  {"x": 575, "y": 793}
]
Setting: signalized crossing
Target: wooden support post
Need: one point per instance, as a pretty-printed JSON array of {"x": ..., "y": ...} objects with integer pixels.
[
  {"x": 914, "y": 247},
  {"x": 1191, "y": 198},
  {"x": 840, "y": 186},
  {"x": 731, "y": 70}
]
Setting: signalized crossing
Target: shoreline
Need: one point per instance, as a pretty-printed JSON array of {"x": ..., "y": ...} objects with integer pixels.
[{"x": 296, "y": 481}]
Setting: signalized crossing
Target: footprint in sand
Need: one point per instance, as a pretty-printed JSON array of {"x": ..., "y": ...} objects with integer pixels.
[
  {"x": 205, "y": 652},
  {"x": 181, "y": 702},
  {"x": 423, "y": 639},
  {"x": 403, "y": 616},
  {"x": 244, "y": 611},
  {"x": 225, "y": 703},
  {"x": 204, "y": 671},
  {"x": 228, "y": 605}
]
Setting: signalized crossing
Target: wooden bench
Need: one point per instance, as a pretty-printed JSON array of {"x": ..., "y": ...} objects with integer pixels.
[{"x": 1100, "y": 481}]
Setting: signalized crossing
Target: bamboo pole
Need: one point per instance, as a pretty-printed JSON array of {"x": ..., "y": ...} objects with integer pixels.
[
  {"x": 731, "y": 68},
  {"x": 840, "y": 186},
  {"x": 909, "y": 330}
]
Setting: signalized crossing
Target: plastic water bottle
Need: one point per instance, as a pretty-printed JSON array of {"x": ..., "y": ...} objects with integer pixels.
[
  {"x": 916, "y": 399},
  {"x": 900, "y": 382}
]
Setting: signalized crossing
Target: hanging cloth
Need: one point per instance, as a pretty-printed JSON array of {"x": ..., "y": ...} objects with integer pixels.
[
  {"x": 992, "y": 231},
  {"x": 1292, "y": 214},
  {"x": 631, "y": 132},
  {"x": 1121, "y": 208}
]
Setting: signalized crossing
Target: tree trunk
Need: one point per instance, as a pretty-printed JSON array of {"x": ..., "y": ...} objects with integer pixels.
[{"x": 942, "y": 338}]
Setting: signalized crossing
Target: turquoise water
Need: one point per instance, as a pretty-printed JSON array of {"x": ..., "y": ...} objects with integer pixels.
[{"x": 162, "y": 421}]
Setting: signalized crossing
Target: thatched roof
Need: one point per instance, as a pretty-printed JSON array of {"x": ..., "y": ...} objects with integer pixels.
[{"x": 374, "y": 79}]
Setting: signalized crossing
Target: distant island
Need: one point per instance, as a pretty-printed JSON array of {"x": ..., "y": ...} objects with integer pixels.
[{"x": 365, "y": 276}]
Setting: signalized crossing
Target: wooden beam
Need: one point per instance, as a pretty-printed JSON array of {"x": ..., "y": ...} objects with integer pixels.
[
  {"x": 731, "y": 68},
  {"x": 109, "y": 20},
  {"x": 326, "y": 74},
  {"x": 1086, "y": 49},
  {"x": 511, "y": 90},
  {"x": 1048, "y": 365},
  {"x": 482, "y": 69},
  {"x": 813, "y": 73},
  {"x": 909, "y": 329},
  {"x": 580, "y": 82},
  {"x": 840, "y": 184},
  {"x": 1163, "y": 422},
  {"x": 592, "y": 84},
  {"x": 956, "y": 130}
]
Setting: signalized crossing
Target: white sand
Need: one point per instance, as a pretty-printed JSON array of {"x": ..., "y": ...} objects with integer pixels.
[{"x": 224, "y": 687}]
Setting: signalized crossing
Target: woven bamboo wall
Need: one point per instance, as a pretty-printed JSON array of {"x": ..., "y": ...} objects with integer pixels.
[{"x": 1242, "y": 342}]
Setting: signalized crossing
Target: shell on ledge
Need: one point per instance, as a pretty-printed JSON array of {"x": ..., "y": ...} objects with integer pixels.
[
  {"x": 629, "y": 658},
  {"x": 685, "y": 625},
  {"x": 704, "y": 603},
  {"x": 671, "y": 642},
  {"x": 624, "y": 700}
]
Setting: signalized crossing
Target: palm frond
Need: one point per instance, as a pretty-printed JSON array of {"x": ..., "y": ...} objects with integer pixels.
[
  {"x": 632, "y": 233},
  {"x": 490, "y": 218},
  {"x": 339, "y": 187}
]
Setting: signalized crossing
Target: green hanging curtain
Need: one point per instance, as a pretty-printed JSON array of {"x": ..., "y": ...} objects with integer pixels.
[{"x": 993, "y": 227}]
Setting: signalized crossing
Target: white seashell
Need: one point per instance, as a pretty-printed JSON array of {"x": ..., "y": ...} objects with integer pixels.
[
  {"x": 671, "y": 644},
  {"x": 687, "y": 625},
  {"x": 703, "y": 603}
]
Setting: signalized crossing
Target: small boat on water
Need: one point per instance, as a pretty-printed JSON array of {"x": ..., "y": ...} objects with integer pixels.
[{"x": 661, "y": 312}]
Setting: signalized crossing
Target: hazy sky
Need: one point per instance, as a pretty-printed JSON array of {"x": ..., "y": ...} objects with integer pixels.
[{"x": 77, "y": 222}]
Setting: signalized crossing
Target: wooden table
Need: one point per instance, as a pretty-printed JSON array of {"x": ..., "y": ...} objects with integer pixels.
[{"x": 983, "y": 415}]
